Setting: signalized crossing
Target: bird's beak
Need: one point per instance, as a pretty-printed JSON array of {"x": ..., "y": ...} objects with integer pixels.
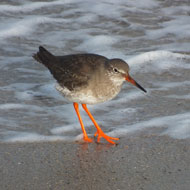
[{"x": 132, "y": 81}]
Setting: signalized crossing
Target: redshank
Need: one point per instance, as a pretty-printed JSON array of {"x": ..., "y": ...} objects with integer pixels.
[{"x": 87, "y": 79}]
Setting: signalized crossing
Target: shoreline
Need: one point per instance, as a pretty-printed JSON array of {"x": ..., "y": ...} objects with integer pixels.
[{"x": 144, "y": 160}]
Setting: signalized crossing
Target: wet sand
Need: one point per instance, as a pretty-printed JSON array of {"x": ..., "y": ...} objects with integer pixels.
[{"x": 141, "y": 161}]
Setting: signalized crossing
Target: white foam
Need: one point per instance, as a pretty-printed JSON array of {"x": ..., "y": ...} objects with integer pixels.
[
  {"x": 155, "y": 55},
  {"x": 12, "y": 123},
  {"x": 72, "y": 127},
  {"x": 49, "y": 90},
  {"x": 34, "y": 137},
  {"x": 169, "y": 85},
  {"x": 10, "y": 106},
  {"x": 25, "y": 26},
  {"x": 182, "y": 97},
  {"x": 64, "y": 129},
  {"x": 169, "y": 27},
  {"x": 158, "y": 61},
  {"x": 26, "y": 95},
  {"x": 145, "y": 4},
  {"x": 18, "y": 86},
  {"x": 28, "y": 7},
  {"x": 26, "y": 92},
  {"x": 97, "y": 43},
  {"x": 178, "y": 126}
]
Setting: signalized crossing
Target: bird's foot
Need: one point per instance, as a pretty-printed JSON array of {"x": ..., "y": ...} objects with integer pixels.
[
  {"x": 101, "y": 134},
  {"x": 87, "y": 139}
]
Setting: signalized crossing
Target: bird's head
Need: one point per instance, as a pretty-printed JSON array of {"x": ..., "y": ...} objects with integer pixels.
[{"x": 119, "y": 72}]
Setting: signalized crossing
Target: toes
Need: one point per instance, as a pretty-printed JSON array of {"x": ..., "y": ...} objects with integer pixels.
[
  {"x": 109, "y": 139},
  {"x": 86, "y": 139},
  {"x": 113, "y": 138},
  {"x": 112, "y": 142}
]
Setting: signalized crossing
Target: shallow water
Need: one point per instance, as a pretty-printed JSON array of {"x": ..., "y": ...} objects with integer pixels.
[{"x": 152, "y": 36}]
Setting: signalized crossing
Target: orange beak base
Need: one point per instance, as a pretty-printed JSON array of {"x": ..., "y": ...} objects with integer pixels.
[{"x": 132, "y": 81}]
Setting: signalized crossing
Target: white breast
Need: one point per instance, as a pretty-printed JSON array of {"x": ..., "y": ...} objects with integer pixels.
[
  {"x": 82, "y": 96},
  {"x": 92, "y": 94}
]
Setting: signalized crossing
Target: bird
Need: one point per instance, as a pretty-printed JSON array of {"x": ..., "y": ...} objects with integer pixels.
[{"x": 87, "y": 79}]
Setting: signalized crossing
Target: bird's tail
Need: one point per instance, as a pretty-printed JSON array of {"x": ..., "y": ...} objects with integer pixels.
[{"x": 43, "y": 56}]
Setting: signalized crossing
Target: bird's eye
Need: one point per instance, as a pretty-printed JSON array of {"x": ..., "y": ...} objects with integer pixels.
[{"x": 115, "y": 70}]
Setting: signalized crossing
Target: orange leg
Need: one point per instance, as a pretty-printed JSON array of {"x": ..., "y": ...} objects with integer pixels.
[
  {"x": 99, "y": 132},
  {"x": 85, "y": 137}
]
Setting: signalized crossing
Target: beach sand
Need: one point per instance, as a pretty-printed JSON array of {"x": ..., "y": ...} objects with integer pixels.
[{"x": 143, "y": 160}]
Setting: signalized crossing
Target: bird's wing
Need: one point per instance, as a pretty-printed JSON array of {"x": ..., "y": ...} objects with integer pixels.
[
  {"x": 73, "y": 71},
  {"x": 70, "y": 71}
]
